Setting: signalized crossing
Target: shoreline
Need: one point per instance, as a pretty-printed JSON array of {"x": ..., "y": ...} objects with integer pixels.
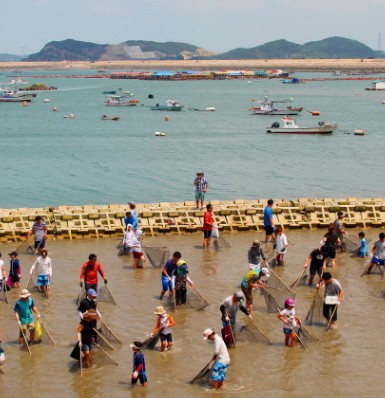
[
  {"x": 296, "y": 65},
  {"x": 156, "y": 219}
]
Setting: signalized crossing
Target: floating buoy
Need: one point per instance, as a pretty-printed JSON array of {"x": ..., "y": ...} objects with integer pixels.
[
  {"x": 54, "y": 109},
  {"x": 359, "y": 132},
  {"x": 46, "y": 100},
  {"x": 25, "y": 103},
  {"x": 166, "y": 118},
  {"x": 316, "y": 113},
  {"x": 159, "y": 134}
]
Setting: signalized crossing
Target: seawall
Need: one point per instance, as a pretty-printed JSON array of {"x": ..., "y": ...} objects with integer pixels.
[{"x": 99, "y": 221}]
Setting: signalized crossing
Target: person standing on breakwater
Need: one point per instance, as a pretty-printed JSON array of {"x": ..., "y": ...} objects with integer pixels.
[
  {"x": 221, "y": 359},
  {"x": 201, "y": 187},
  {"x": 131, "y": 219},
  {"x": 44, "y": 272},
  {"x": 39, "y": 229},
  {"x": 268, "y": 222},
  {"x": 339, "y": 230},
  {"x": 14, "y": 270},
  {"x": 89, "y": 273},
  {"x": 168, "y": 274},
  {"x": 208, "y": 225},
  {"x": 332, "y": 298},
  {"x": 255, "y": 254},
  {"x": 378, "y": 252}
]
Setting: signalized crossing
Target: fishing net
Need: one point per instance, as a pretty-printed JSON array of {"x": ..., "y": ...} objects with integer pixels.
[
  {"x": 102, "y": 341},
  {"x": 303, "y": 333},
  {"x": 376, "y": 269},
  {"x": 300, "y": 280},
  {"x": 108, "y": 334},
  {"x": 350, "y": 246},
  {"x": 157, "y": 255},
  {"x": 276, "y": 292},
  {"x": 251, "y": 332},
  {"x": 105, "y": 295},
  {"x": 195, "y": 299},
  {"x": 151, "y": 342},
  {"x": 3, "y": 292},
  {"x": 315, "y": 316},
  {"x": 203, "y": 376}
]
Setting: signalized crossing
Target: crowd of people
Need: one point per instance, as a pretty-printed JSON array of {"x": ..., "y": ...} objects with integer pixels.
[{"x": 174, "y": 279}]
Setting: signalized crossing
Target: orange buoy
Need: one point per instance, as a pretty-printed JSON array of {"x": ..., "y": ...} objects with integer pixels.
[
  {"x": 166, "y": 118},
  {"x": 316, "y": 113},
  {"x": 25, "y": 103}
]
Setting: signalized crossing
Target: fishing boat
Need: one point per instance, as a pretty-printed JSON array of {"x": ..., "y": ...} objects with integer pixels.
[
  {"x": 171, "y": 105},
  {"x": 11, "y": 96},
  {"x": 120, "y": 100},
  {"x": 359, "y": 132},
  {"x": 293, "y": 80},
  {"x": 289, "y": 126},
  {"x": 270, "y": 108},
  {"x": 106, "y": 117}
]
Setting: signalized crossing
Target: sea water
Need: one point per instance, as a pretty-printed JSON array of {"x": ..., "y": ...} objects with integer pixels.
[{"x": 48, "y": 160}]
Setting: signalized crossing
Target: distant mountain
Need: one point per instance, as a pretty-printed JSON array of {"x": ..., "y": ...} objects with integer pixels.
[
  {"x": 133, "y": 49},
  {"x": 332, "y": 47},
  {"x": 73, "y": 50},
  {"x": 10, "y": 58}
]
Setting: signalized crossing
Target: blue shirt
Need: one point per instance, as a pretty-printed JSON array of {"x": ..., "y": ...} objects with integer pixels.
[
  {"x": 267, "y": 215},
  {"x": 170, "y": 268},
  {"x": 139, "y": 360},
  {"x": 133, "y": 220},
  {"x": 364, "y": 246},
  {"x": 24, "y": 309}
]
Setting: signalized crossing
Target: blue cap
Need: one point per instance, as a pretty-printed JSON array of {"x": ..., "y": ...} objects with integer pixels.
[{"x": 92, "y": 292}]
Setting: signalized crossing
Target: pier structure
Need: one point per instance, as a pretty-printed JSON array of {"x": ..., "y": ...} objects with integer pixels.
[{"x": 99, "y": 221}]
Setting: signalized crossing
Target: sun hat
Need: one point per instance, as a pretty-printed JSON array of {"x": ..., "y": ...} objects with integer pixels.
[
  {"x": 159, "y": 310},
  {"x": 136, "y": 344},
  {"x": 239, "y": 296},
  {"x": 207, "y": 333},
  {"x": 265, "y": 271},
  {"x": 24, "y": 293},
  {"x": 92, "y": 292},
  {"x": 290, "y": 302}
]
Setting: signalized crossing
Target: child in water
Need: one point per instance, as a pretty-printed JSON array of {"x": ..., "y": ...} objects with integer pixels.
[
  {"x": 139, "y": 365},
  {"x": 290, "y": 320},
  {"x": 281, "y": 245},
  {"x": 362, "y": 251}
]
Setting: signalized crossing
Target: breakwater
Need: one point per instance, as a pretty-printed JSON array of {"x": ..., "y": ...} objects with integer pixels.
[{"x": 74, "y": 222}]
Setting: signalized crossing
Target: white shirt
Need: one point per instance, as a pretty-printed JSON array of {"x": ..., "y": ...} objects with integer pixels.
[
  {"x": 281, "y": 242},
  {"x": 44, "y": 266},
  {"x": 379, "y": 249},
  {"x": 220, "y": 350},
  {"x": 289, "y": 315},
  {"x": 2, "y": 269}
]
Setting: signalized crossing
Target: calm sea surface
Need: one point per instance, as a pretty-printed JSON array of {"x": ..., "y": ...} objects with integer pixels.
[{"x": 49, "y": 160}]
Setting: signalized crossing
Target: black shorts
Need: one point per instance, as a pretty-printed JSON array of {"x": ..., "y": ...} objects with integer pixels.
[
  {"x": 269, "y": 229},
  {"x": 207, "y": 234},
  {"x": 40, "y": 244},
  {"x": 314, "y": 269},
  {"x": 330, "y": 251},
  {"x": 166, "y": 337}
]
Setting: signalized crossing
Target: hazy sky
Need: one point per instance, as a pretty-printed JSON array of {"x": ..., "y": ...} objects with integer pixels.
[{"x": 216, "y": 25}]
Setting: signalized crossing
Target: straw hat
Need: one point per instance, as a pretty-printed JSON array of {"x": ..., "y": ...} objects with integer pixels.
[
  {"x": 160, "y": 310},
  {"x": 24, "y": 293}
]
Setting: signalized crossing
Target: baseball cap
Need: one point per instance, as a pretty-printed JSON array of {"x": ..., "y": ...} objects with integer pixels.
[
  {"x": 92, "y": 292},
  {"x": 265, "y": 271},
  {"x": 207, "y": 333}
]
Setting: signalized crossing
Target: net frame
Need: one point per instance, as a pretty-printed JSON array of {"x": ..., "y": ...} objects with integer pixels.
[
  {"x": 157, "y": 255},
  {"x": 105, "y": 295},
  {"x": 315, "y": 313},
  {"x": 196, "y": 300}
]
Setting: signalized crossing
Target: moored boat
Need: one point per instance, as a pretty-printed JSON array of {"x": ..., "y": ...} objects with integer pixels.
[
  {"x": 120, "y": 100},
  {"x": 11, "y": 96},
  {"x": 171, "y": 105},
  {"x": 270, "y": 108},
  {"x": 289, "y": 126},
  {"x": 106, "y": 117}
]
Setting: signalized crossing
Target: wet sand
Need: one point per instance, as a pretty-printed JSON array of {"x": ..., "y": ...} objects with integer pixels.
[
  {"x": 314, "y": 65},
  {"x": 346, "y": 362}
]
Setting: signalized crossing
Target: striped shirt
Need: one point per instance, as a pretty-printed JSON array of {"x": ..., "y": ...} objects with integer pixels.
[{"x": 200, "y": 183}]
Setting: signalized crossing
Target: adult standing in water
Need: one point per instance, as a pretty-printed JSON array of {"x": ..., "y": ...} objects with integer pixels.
[
  {"x": 208, "y": 225},
  {"x": 268, "y": 222},
  {"x": 86, "y": 334},
  {"x": 39, "y": 229},
  {"x": 44, "y": 272},
  {"x": 255, "y": 256},
  {"x": 332, "y": 297},
  {"x": 221, "y": 359},
  {"x": 89, "y": 273},
  {"x": 339, "y": 230},
  {"x": 168, "y": 274},
  {"x": 201, "y": 187}
]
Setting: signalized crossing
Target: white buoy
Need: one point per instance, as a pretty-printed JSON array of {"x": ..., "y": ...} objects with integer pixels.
[{"x": 159, "y": 134}]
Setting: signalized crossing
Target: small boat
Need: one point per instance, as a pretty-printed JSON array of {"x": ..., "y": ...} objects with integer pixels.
[
  {"x": 208, "y": 109},
  {"x": 106, "y": 117},
  {"x": 19, "y": 80},
  {"x": 270, "y": 108},
  {"x": 376, "y": 86},
  {"x": 170, "y": 105},
  {"x": 159, "y": 134},
  {"x": 109, "y": 92},
  {"x": 359, "y": 132},
  {"x": 294, "y": 80},
  {"x": 291, "y": 127},
  {"x": 69, "y": 116},
  {"x": 120, "y": 100},
  {"x": 11, "y": 96},
  {"x": 46, "y": 100}
]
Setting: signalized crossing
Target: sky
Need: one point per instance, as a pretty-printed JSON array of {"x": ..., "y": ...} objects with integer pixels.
[{"x": 215, "y": 25}]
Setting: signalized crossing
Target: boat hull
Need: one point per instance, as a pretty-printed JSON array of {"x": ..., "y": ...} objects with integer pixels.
[
  {"x": 283, "y": 112},
  {"x": 306, "y": 130},
  {"x": 167, "y": 108}
]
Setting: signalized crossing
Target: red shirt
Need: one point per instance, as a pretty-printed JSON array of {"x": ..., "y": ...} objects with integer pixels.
[
  {"x": 208, "y": 221},
  {"x": 90, "y": 271}
]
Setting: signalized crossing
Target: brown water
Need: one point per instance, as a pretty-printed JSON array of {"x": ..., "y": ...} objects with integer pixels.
[{"x": 346, "y": 362}]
